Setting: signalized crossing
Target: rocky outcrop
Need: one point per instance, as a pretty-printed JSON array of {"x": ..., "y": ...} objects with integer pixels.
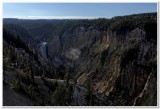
[{"x": 119, "y": 68}]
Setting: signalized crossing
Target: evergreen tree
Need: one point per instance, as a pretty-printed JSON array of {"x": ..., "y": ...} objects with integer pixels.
[
  {"x": 66, "y": 77},
  {"x": 58, "y": 98},
  {"x": 88, "y": 96},
  {"x": 17, "y": 82},
  {"x": 43, "y": 74},
  {"x": 62, "y": 96},
  {"x": 30, "y": 72}
]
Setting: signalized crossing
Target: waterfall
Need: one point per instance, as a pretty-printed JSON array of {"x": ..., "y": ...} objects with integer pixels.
[{"x": 43, "y": 49}]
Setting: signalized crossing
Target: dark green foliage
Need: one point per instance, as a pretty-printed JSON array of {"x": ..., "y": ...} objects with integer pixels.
[
  {"x": 61, "y": 72},
  {"x": 21, "y": 32},
  {"x": 122, "y": 25},
  {"x": 129, "y": 54},
  {"x": 31, "y": 72},
  {"x": 30, "y": 90},
  {"x": 58, "y": 96},
  {"x": 12, "y": 56},
  {"x": 52, "y": 86},
  {"x": 14, "y": 39},
  {"x": 17, "y": 82},
  {"x": 68, "y": 96},
  {"x": 151, "y": 30},
  {"x": 62, "y": 96},
  {"x": 43, "y": 74},
  {"x": 89, "y": 96},
  {"x": 67, "y": 77},
  {"x": 5, "y": 65}
]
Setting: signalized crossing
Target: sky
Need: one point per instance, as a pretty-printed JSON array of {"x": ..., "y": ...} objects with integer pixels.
[{"x": 74, "y": 10}]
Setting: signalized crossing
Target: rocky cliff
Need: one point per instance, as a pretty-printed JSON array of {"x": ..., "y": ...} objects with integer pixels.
[
  {"x": 116, "y": 57},
  {"x": 121, "y": 65}
]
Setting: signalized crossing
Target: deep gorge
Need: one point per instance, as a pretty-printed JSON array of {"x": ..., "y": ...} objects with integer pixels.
[{"x": 116, "y": 59}]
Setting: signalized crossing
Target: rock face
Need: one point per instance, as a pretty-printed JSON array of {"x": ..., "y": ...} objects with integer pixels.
[
  {"x": 74, "y": 48},
  {"x": 118, "y": 56},
  {"x": 122, "y": 68}
]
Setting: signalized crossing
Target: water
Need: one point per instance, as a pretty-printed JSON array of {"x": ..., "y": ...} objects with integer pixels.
[{"x": 43, "y": 49}]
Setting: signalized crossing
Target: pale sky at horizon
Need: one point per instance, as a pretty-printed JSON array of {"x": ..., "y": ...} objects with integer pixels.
[{"x": 74, "y": 10}]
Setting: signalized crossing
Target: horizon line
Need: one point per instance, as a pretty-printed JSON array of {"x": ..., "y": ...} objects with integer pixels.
[
  {"x": 68, "y": 17},
  {"x": 57, "y": 17}
]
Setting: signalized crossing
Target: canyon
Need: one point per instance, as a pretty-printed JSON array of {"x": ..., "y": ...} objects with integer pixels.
[{"x": 109, "y": 62}]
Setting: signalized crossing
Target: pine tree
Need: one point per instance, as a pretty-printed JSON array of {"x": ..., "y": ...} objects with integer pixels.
[
  {"x": 43, "y": 74},
  {"x": 66, "y": 77},
  {"x": 58, "y": 98},
  {"x": 88, "y": 96},
  {"x": 17, "y": 82}
]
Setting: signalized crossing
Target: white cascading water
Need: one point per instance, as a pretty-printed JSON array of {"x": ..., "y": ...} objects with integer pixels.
[{"x": 43, "y": 49}]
